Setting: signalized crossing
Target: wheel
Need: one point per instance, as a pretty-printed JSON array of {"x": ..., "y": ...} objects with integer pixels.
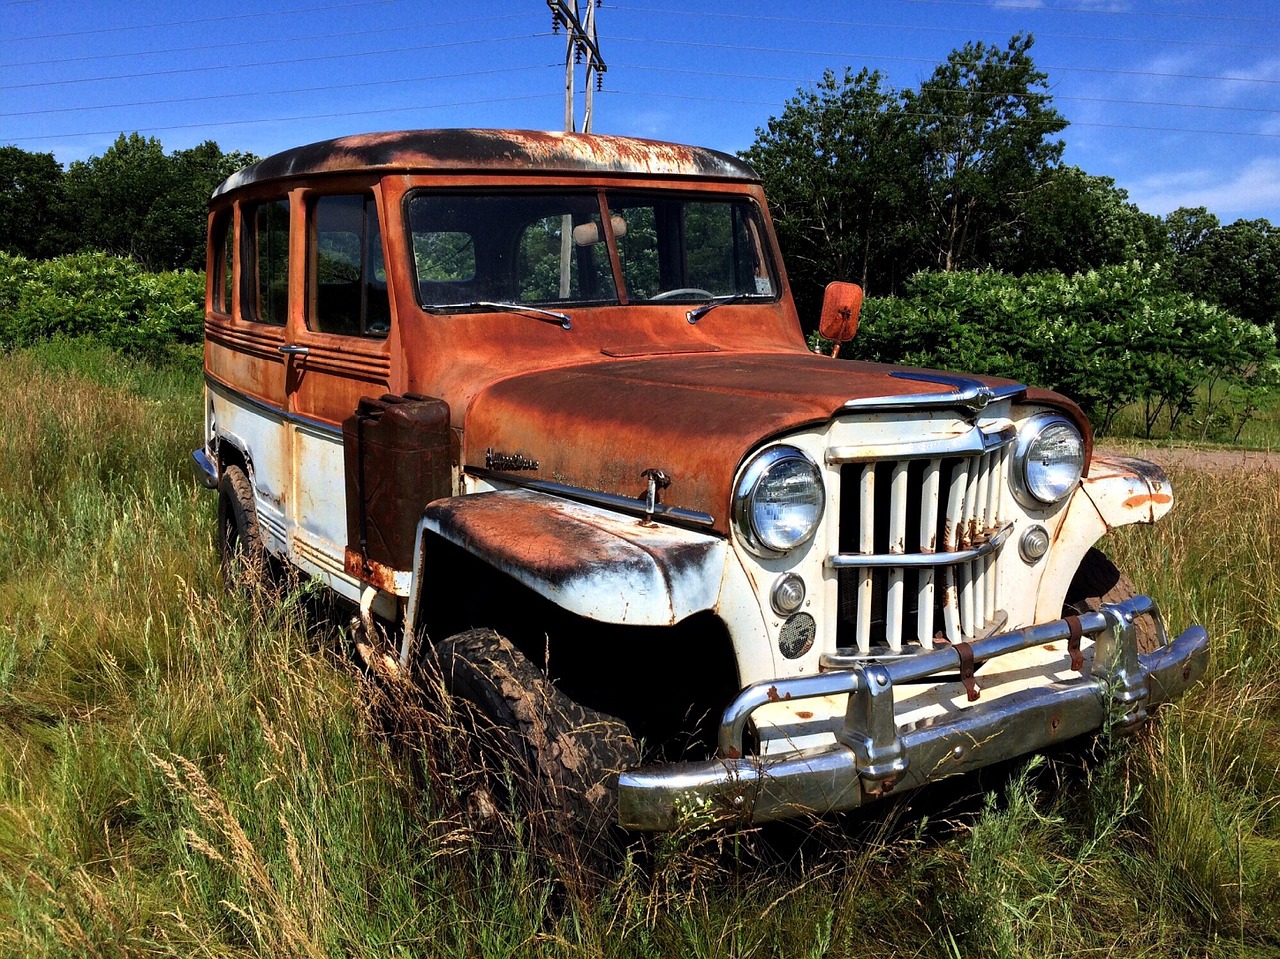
[
  {"x": 565, "y": 757},
  {"x": 684, "y": 292},
  {"x": 240, "y": 551},
  {"x": 1098, "y": 581}
]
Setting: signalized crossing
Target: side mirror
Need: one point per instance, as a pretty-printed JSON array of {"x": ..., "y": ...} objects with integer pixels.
[{"x": 841, "y": 305}]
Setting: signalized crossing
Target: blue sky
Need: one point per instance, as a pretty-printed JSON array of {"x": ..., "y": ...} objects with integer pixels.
[{"x": 1179, "y": 100}]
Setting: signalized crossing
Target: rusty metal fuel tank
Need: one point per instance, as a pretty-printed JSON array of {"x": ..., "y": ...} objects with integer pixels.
[{"x": 398, "y": 452}]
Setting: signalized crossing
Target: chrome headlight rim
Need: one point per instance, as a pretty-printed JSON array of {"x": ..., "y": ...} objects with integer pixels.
[
  {"x": 1032, "y": 430},
  {"x": 755, "y": 473}
]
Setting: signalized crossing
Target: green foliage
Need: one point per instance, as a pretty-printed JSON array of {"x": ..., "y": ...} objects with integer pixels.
[
  {"x": 1236, "y": 267},
  {"x": 97, "y": 296},
  {"x": 133, "y": 200},
  {"x": 986, "y": 119},
  {"x": 843, "y": 173},
  {"x": 1108, "y": 338},
  {"x": 32, "y": 209},
  {"x": 1072, "y": 222}
]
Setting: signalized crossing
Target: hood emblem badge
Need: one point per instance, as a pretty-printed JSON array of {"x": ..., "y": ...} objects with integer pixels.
[{"x": 507, "y": 462}]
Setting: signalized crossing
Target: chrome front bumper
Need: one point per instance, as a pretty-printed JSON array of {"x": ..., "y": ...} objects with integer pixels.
[{"x": 874, "y": 756}]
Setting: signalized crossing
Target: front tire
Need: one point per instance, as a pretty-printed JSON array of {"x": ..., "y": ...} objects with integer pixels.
[
  {"x": 565, "y": 756},
  {"x": 1099, "y": 581},
  {"x": 241, "y": 554}
]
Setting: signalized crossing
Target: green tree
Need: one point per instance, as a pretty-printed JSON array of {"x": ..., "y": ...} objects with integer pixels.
[
  {"x": 841, "y": 171},
  {"x": 1188, "y": 227},
  {"x": 32, "y": 205},
  {"x": 176, "y": 220},
  {"x": 1073, "y": 222},
  {"x": 112, "y": 194},
  {"x": 986, "y": 122},
  {"x": 136, "y": 201},
  {"x": 1236, "y": 267}
]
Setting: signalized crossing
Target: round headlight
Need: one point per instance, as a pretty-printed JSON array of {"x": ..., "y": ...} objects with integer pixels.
[
  {"x": 1050, "y": 460},
  {"x": 779, "y": 501}
]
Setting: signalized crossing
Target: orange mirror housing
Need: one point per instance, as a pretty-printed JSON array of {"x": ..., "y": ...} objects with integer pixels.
[{"x": 841, "y": 305}]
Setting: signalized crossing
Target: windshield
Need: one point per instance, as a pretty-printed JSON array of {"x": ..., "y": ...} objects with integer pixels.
[{"x": 552, "y": 249}]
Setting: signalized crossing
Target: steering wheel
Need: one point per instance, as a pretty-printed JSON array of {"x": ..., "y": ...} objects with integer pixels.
[{"x": 684, "y": 291}]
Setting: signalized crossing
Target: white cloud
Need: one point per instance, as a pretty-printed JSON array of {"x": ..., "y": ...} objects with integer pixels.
[{"x": 1249, "y": 192}]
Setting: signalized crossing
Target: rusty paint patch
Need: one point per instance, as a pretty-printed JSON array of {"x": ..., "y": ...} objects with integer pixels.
[
  {"x": 504, "y": 151},
  {"x": 1148, "y": 499},
  {"x": 803, "y": 714},
  {"x": 369, "y": 571},
  {"x": 1050, "y": 647}
]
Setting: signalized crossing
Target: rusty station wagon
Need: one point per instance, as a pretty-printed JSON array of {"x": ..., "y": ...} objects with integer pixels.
[{"x": 541, "y": 406}]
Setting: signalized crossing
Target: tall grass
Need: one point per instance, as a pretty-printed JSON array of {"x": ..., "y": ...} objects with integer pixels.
[{"x": 184, "y": 772}]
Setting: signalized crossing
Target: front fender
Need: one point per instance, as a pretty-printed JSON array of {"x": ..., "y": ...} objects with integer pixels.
[
  {"x": 590, "y": 561},
  {"x": 1125, "y": 489},
  {"x": 1118, "y": 491}
]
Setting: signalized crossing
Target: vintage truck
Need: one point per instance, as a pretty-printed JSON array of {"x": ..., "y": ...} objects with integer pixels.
[{"x": 540, "y": 405}]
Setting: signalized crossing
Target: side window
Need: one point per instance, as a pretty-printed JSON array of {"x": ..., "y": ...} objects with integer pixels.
[
  {"x": 347, "y": 281},
  {"x": 264, "y": 262},
  {"x": 222, "y": 242}
]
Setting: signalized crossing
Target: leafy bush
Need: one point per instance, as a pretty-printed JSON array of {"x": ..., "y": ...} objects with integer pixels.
[
  {"x": 106, "y": 298},
  {"x": 1107, "y": 338}
]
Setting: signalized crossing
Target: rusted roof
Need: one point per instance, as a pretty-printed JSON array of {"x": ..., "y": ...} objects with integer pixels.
[{"x": 492, "y": 151}]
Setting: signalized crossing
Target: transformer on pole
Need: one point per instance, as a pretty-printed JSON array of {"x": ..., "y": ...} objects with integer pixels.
[{"x": 581, "y": 47}]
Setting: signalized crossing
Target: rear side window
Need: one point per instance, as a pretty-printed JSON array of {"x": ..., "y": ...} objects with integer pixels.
[
  {"x": 264, "y": 262},
  {"x": 347, "y": 282},
  {"x": 223, "y": 245}
]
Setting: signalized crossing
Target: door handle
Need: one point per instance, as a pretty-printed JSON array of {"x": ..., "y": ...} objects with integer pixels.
[{"x": 291, "y": 350}]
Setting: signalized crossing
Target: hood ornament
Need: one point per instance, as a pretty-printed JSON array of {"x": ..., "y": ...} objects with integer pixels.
[{"x": 658, "y": 481}]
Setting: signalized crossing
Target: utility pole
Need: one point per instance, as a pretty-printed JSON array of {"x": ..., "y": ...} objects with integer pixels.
[{"x": 580, "y": 46}]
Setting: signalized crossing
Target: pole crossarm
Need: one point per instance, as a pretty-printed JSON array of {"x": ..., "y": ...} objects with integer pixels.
[{"x": 568, "y": 14}]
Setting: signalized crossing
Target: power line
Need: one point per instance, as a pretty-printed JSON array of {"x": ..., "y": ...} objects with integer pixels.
[
  {"x": 865, "y": 24},
  {"x": 1032, "y": 7},
  {"x": 288, "y": 119},
  {"x": 867, "y": 56},
  {"x": 205, "y": 47},
  {"x": 1081, "y": 123},
  {"x": 185, "y": 23},
  {"x": 1022, "y": 95},
  {"x": 269, "y": 63},
  {"x": 325, "y": 88}
]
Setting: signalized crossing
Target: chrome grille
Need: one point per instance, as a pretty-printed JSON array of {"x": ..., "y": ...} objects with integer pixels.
[{"x": 918, "y": 546}]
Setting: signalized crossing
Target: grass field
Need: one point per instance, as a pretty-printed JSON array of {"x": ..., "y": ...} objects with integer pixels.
[{"x": 190, "y": 774}]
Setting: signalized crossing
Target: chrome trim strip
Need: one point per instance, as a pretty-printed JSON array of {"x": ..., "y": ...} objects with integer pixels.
[
  {"x": 674, "y": 514},
  {"x": 966, "y": 392},
  {"x": 917, "y": 560},
  {"x": 975, "y": 441},
  {"x": 874, "y": 757},
  {"x": 230, "y": 392}
]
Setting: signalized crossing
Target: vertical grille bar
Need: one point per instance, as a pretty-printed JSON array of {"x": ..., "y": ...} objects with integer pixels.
[
  {"x": 928, "y": 544},
  {"x": 983, "y": 517},
  {"x": 897, "y": 544},
  {"x": 951, "y": 577},
  {"x": 970, "y": 525},
  {"x": 994, "y": 514},
  {"x": 866, "y": 544}
]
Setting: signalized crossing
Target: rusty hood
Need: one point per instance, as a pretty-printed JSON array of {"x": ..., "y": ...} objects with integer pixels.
[{"x": 599, "y": 425}]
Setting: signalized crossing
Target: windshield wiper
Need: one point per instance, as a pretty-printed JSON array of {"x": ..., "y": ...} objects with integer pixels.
[
  {"x": 561, "y": 320},
  {"x": 694, "y": 315}
]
